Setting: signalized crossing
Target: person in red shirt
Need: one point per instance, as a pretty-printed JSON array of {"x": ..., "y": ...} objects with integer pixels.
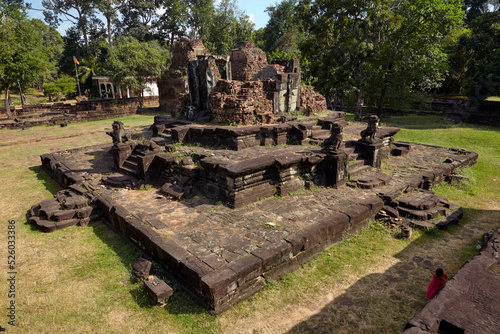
[{"x": 438, "y": 281}]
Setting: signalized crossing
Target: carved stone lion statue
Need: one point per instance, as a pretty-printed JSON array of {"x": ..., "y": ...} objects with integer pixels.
[
  {"x": 371, "y": 131},
  {"x": 118, "y": 134},
  {"x": 335, "y": 140}
]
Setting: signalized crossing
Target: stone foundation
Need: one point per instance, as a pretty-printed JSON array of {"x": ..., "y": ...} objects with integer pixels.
[{"x": 221, "y": 255}]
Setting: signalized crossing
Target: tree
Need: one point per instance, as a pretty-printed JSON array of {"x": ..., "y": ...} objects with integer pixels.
[
  {"x": 483, "y": 53},
  {"x": 171, "y": 25},
  {"x": 226, "y": 27},
  {"x": 284, "y": 29},
  {"x": 110, "y": 10},
  {"x": 79, "y": 12},
  {"x": 133, "y": 63},
  {"x": 53, "y": 43},
  {"x": 23, "y": 55},
  {"x": 379, "y": 50},
  {"x": 344, "y": 36},
  {"x": 64, "y": 86},
  {"x": 413, "y": 59},
  {"x": 138, "y": 18},
  {"x": 200, "y": 16}
]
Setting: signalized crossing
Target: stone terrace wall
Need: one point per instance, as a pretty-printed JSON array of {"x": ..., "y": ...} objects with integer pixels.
[
  {"x": 59, "y": 113},
  {"x": 238, "y": 138},
  {"x": 243, "y": 102}
]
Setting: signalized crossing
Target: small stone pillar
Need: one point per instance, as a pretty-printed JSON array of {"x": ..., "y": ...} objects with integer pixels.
[
  {"x": 120, "y": 153},
  {"x": 335, "y": 168},
  {"x": 374, "y": 152}
]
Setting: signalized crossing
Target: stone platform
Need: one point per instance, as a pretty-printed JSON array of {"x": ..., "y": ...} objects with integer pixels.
[{"x": 222, "y": 255}]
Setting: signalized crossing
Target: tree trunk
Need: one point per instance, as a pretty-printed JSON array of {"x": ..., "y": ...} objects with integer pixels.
[
  {"x": 384, "y": 89},
  {"x": 359, "y": 106},
  {"x": 7, "y": 105},
  {"x": 382, "y": 98},
  {"x": 110, "y": 38},
  {"x": 359, "y": 98}
]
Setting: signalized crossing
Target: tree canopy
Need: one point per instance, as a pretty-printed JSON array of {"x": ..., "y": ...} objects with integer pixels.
[
  {"x": 26, "y": 49},
  {"x": 362, "y": 52},
  {"x": 133, "y": 63},
  {"x": 372, "y": 51}
]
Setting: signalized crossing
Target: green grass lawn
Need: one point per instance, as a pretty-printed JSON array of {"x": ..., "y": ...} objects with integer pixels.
[{"x": 79, "y": 279}]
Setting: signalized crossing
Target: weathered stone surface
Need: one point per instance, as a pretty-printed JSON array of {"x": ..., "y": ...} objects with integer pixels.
[
  {"x": 158, "y": 289},
  {"x": 184, "y": 51},
  {"x": 240, "y": 102},
  {"x": 219, "y": 283},
  {"x": 172, "y": 190},
  {"x": 246, "y": 61},
  {"x": 142, "y": 268},
  {"x": 246, "y": 268},
  {"x": 250, "y": 165},
  {"x": 314, "y": 101},
  {"x": 370, "y": 180}
]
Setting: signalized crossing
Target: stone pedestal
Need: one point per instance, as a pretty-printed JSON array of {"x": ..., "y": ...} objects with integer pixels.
[
  {"x": 120, "y": 153},
  {"x": 373, "y": 151},
  {"x": 335, "y": 168}
]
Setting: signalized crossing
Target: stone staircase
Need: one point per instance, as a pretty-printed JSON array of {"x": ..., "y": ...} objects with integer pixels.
[
  {"x": 424, "y": 209},
  {"x": 131, "y": 165},
  {"x": 357, "y": 163},
  {"x": 319, "y": 134}
]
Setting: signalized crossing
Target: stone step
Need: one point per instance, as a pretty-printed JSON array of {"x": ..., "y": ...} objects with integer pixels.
[
  {"x": 320, "y": 134},
  {"x": 133, "y": 158},
  {"x": 165, "y": 135},
  {"x": 353, "y": 156},
  {"x": 369, "y": 180},
  {"x": 353, "y": 164},
  {"x": 131, "y": 164},
  {"x": 422, "y": 215},
  {"x": 359, "y": 170},
  {"x": 348, "y": 150},
  {"x": 128, "y": 170}
]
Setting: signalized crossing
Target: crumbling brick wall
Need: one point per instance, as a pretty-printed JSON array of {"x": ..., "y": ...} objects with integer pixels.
[
  {"x": 173, "y": 87},
  {"x": 246, "y": 61},
  {"x": 240, "y": 102},
  {"x": 312, "y": 100},
  {"x": 185, "y": 51}
]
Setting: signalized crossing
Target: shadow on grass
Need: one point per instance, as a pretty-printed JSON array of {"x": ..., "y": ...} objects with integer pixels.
[
  {"x": 151, "y": 111},
  {"x": 128, "y": 253},
  {"x": 428, "y": 122},
  {"x": 384, "y": 303},
  {"x": 48, "y": 182}
]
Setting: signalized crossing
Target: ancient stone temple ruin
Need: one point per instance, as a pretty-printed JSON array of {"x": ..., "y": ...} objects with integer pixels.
[
  {"x": 229, "y": 208},
  {"x": 240, "y": 88}
]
